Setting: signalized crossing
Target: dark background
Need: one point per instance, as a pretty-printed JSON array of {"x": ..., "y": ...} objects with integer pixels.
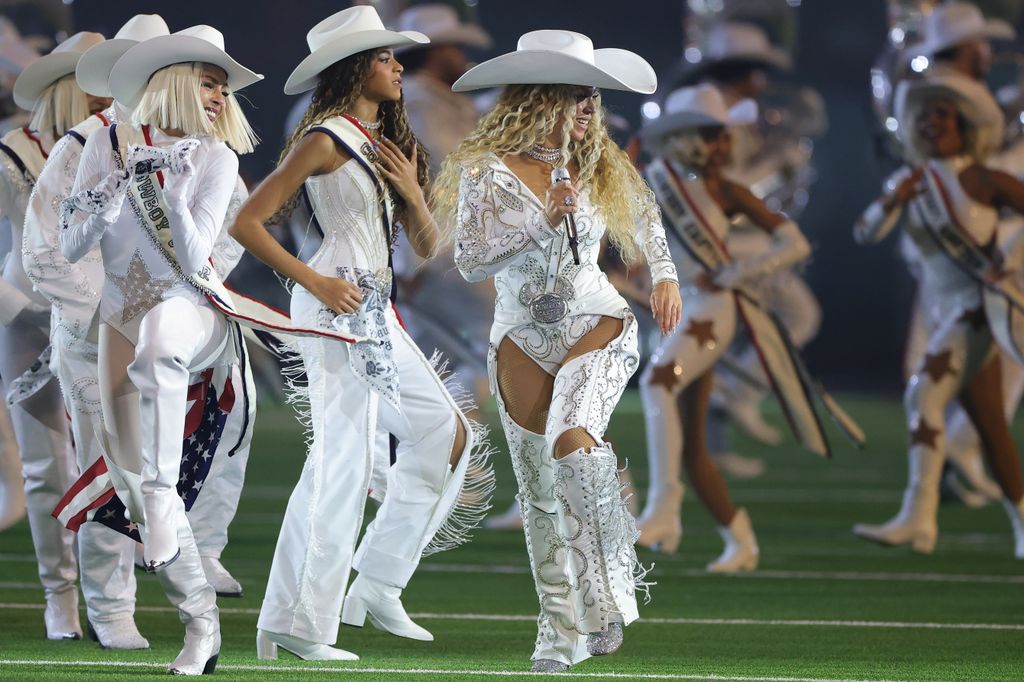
[{"x": 865, "y": 292}]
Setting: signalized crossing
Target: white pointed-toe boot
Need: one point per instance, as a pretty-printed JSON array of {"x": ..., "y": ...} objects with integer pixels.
[
  {"x": 61, "y": 615},
  {"x": 186, "y": 587},
  {"x": 222, "y": 582},
  {"x": 267, "y": 644},
  {"x": 660, "y": 524},
  {"x": 741, "y": 551},
  {"x": 382, "y": 604},
  {"x": 121, "y": 633},
  {"x": 1016, "y": 513},
  {"x": 164, "y": 512},
  {"x": 916, "y": 523}
]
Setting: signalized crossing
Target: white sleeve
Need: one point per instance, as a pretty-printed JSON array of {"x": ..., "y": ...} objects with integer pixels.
[
  {"x": 492, "y": 228},
  {"x": 80, "y": 230},
  {"x": 226, "y": 250},
  {"x": 651, "y": 237},
  {"x": 12, "y": 300},
  {"x": 875, "y": 224},
  {"x": 195, "y": 227}
]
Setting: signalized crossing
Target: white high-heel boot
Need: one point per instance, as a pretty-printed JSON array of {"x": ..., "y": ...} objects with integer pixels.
[
  {"x": 601, "y": 532},
  {"x": 916, "y": 523},
  {"x": 741, "y": 552},
  {"x": 121, "y": 633},
  {"x": 186, "y": 587},
  {"x": 382, "y": 604},
  {"x": 164, "y": 512},
  {"x": 660, "y": 526},
  {"x": 61, "y": 615},
  {"x": 267, "y": 644},
  {"x": 1016, "y": 513}
]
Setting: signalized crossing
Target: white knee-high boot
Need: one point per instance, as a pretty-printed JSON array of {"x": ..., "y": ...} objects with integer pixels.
[
  {"x": 660, "y": 522},
  {"x": 601, "y": 532}
]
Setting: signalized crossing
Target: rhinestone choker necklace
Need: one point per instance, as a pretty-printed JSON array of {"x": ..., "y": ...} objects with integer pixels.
[
  {"x": 368, "y": 125},
  {"x": 548, "y": 155}
]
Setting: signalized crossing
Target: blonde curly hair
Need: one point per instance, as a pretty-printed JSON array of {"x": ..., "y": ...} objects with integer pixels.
[{"x": 524, "y": 116}]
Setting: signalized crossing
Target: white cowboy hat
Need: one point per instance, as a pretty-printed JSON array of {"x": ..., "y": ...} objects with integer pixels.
[
  {"x": 48, "y": 69},
  {"x": 696, "y": 107},
  {"x": 131, "y": 73},
  {"x": 735, "y": 41},
  {"x": 973, "y": 99},
  {"x": 954, "y": 23},
  {"x": 562, "y": 57},
  {"x": 94, "y": 67},
  {"x": 440, "y": 23},
  {"x": 341, "y": 35}
]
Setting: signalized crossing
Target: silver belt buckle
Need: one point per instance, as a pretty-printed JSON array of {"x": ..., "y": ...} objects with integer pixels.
[{"x": 549, "y": 308}]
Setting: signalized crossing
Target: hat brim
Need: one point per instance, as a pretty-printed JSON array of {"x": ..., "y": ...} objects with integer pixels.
[
  {"x": 468, "y": 35},
  {"x": 743, "y": 112},
  {"x": 772, "y": 58},
  {"x": 93, "y": 70},
  {"x": 994, "y": 29},
  {"x": 613, "y": 69},
  {"x": 973, "y": 100},
  {"x": 41, "y": 74},
  {"x": 131, "y": 73},
  {"x": 305, "y": 75}
]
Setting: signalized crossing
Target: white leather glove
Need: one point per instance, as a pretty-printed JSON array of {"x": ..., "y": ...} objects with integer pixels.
[
  {"x": 788, "y": 247},
  {"x": 104, "y": 201},
  {"x": 175, "y": 160}
]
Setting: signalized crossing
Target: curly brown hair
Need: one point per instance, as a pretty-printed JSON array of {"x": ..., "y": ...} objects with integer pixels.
[{"x": 337, "y": 90}]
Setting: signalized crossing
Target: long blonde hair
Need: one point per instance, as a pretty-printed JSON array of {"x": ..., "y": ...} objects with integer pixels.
[
  {"x": 62, "y": 105},
  {"x": 524, "y": 116},
  {"x": 172, "y": 101}
]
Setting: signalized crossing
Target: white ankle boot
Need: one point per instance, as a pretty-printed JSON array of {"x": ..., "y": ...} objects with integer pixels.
[
  {"x": 1016, "y": 513},
  {"x": 660, "y": 526},
  {"x": 511, "y": 519},
  {"x": 741, "y": 552},
  {"x": 220, "y": 580},
  {"x": 61, "y": 615},
  {"x": 202, "y": 646},
  {"x": 117, "y": 634},
  {"x": 267, "y": 644},
  {"x": 382, "y": 604},
  {"x": 916, "y": 523}
]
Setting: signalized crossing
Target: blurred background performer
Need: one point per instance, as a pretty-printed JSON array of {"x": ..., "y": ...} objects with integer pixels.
[
  {"x": 564, "y": 342},
  {"x": 693, "y": 139},
  {"x": 359, "y": 163},
  {"x": 157, "y": 326},
  {"x": 946, "y": 122},
  {"x": 48, "y": 89}
]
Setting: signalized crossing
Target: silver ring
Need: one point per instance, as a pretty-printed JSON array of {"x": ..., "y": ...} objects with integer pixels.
[{"x": 569, "y": 201}]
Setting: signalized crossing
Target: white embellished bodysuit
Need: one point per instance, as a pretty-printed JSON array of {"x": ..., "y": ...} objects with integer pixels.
[{"x": 504, "y": 233}]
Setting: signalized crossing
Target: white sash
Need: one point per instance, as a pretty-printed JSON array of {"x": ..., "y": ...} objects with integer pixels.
[
  {"x": 24, "y": 155},
  {"x": 1003, "y": 300},
  {"x": 789, "y": 378}
]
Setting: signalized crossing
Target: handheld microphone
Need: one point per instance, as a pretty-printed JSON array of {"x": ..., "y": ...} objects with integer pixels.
[{"x": 562, "y": 175}]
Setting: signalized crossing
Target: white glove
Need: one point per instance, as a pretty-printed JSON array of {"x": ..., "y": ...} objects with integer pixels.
[
  {"x": 176, "y": 160},
  {"x": 104, "y": 201},
  {"x": 789, "y": 247}
]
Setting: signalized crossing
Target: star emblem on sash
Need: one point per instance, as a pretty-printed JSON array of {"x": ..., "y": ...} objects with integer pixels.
[
  {"x": 923, "y": 434},
  {"x": 975, "y": 318},
  {"x": 703, "y": 332},
  {"x": 666, "y": 375},
  {"x": 938, "y": 365},
  {"x": 141, "y": 291}
]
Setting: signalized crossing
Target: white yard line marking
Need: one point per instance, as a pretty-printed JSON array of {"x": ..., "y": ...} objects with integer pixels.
[
  {"x": 524, "y": 618},
  {"x": 340, "y": 670}
]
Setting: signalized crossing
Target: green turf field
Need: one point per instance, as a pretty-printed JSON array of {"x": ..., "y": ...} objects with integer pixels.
[{"x": 824, "y": 606}]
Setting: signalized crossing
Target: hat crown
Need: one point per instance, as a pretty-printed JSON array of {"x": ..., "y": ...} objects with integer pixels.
[
  {"x": 429, "y": 19},
  {"x": 80, "y": 42},
  {"x": 143, "y": 27},
  {"x": 952, "y": 19},
  {"x": 203, "y": 32},
  {"x": 554, "y": 40},
  {"x": 346, "y": 22},
  {"x": 733, "y": 38},
  {"x": 699, "y": 99}
]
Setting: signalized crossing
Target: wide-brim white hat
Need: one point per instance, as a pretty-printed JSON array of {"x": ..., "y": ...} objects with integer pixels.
[
  {"x": 93, "y": 70},
  {"x": 973, "y": 99},
  {"x": 341, "y": 35},
  {"x": 697, "y": 107},
  {"x": 736, "y": 41},
  {"x": 440, "y": 23},
  {"x": 954, "y": 23},
  {"x": 562, "y": 57},
  {"x": 48, "y": 69},
  {"x": 131, "y": 73}
]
